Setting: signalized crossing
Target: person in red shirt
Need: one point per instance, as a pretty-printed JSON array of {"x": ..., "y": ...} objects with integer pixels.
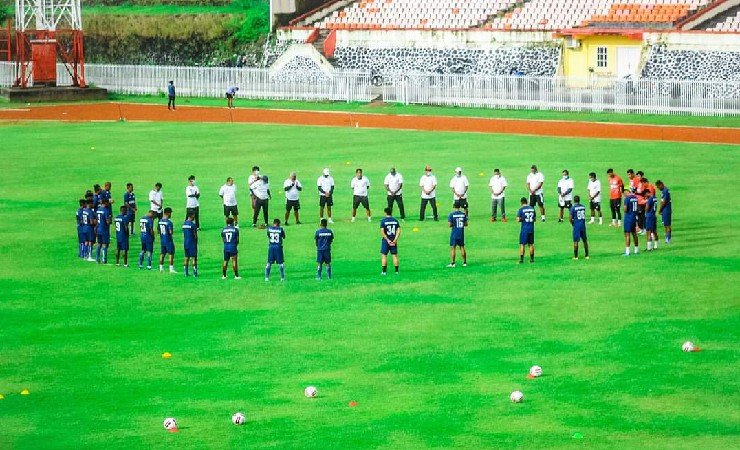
[
  {"x": 616, "y": 187},
  {"x": 640, "y": 191}
]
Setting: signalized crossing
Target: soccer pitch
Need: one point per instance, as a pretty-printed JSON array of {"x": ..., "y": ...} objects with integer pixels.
[{"x": 430, "y": 356}]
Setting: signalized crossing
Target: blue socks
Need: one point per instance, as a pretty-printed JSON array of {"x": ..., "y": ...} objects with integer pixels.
[
  {"x": 328, "y": 271},
  {"x": 282, "y": 271}
]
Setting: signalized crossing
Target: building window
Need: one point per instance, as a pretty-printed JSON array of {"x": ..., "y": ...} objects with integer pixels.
[{"x": 601, "y": 60}]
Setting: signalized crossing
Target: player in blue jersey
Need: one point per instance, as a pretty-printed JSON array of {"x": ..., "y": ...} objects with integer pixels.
[
  {"x": 167, "y": 241},
  {"x": 87, "y": 220},
  {"x": 631, "y": 210},
  {"x": 106, "y": 195},
  {"x": 122, "y": 235},
  {"x": 578, "y": 221},
  {"x": 190, "y": 239},
  {"x": 230, "y": 238},
  {"x": 102, "y": 231},
  {"x": 80, "y": 234},
  {"x": 665, "y": 209},
  {"x": 390, "y": 231},
  {"x": 96, "y": 196},
  {"x": 129, "y": 201},
  {"x": 323, "y": 237},
  {"x": 146, "y": 233},
  {"x": 457, "y": 221},
  {"x": 651, "y": 225},
  {"x": 526, "y": 216},
  {"x": 275, "y": 236}
]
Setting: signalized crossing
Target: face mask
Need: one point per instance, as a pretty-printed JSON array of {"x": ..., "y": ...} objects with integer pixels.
[
  {"x": 565, "y": 177},
  {"x": 429, "y": 173},
  {"x": 256, "y": 172}
]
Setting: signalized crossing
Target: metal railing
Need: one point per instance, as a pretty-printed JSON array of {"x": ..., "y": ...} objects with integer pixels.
[{"x": 647, "y": 96}]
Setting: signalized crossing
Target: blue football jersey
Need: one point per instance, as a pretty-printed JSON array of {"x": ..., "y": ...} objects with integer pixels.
[
  {"x": 121, "y": 225},
  {"x": 275, "y": 236},
  {"x": 651, "y": 206},
  {"x": 528, "y": 217},
  {"x": 578, "y": 213},
  {"x": 230, "y": 238},
  {"x": 146, "y": 228},
  {"x": 129, "y": 199},
  {"x": 666, "y": 197},
  {"x": 86, "y": 217},
  {"x": 189, "y": 231},
  {"x": 457, "y": 220},
  {"x": 391, "y": 227},
  {"x": 78, "y": 216},
  {"x": 631, "y": 203},
  {"x": 103, "y": 217},
  {"x": 165, "y": 231},
  {"x": 324, "y": 237}
]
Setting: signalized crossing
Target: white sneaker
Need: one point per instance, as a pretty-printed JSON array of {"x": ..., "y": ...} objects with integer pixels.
[
  {"x": 173, "y": 271},
  {"x": 353, "y": 219},
  {"x": 223, "y": 277},
  {"x": 591, "y": 221},
  {"x": 384, "y": 273},
  {"x": 601, "y": 222},
  {"x": 267, "y": 279},
  {"x": 369, "y": 219},
  {"x": 237, "y": 278},
  {"x": 451, "y": 265},
  {"x": 465, "y": 264},
  {"x": 330, "y": 221},
  {"x": 91, "y": 259}
]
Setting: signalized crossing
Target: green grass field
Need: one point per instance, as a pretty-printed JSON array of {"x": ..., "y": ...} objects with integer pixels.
[{"x": 430, "y": 355}]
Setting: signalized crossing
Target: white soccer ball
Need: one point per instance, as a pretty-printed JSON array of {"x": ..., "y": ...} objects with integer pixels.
[
  {"x": 311, "y": 392},
  {"x": 238, "y": 418},
  {"x": 169, "y": 423},
  {"x": 516, "y": 396},
  {"x": 535, "y": 371},
  {"x": 688, "y": 346}
]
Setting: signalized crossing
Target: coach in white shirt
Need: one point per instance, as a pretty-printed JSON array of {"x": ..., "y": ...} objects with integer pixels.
[
  {"x": 325, "y": 184},
  {"x": 252, "y": 181},
  {"x": 428, "y": 185},
  {"x": 228, "y": 195},
  {"x": 192, "y": 205},
  {"x": 459, "y": 185},
  {"x": 360, "y": 185},
  {"x": 292, "y": 188},
  {"x": 565, "y": 194},
  {"x": 535, "y": 180},
  {"x": 155, "y": 200},
  {"x": 497, "y": 185},
  {"x": 394, "y": 185}
]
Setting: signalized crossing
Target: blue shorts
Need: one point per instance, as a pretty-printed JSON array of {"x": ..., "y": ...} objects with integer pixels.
[
  {"x": 650, "y": 222},
  {"x": 666, "y": 216},
  {"x": 147, "y": 245},
  {"x": 526, "y": 238},
  {"x": 630, "y": 224},
  {"x": 191, "y": 251},
  {"x": 122, "y": 245},
  {"x": 81, "y": 236},
  {"x": 228, "y": 254},
  {"x": 323, "y": 256},
  {"x": 456, "y": 240},
  {"x": 385, "y": 248},
  {"x": 275, "y": 255},
  {"x": 167, "y": 249},
  {"x": 579, "y": 233},
  {"x": 88, "y": 234},
  {"x": 104, "y": 238}
]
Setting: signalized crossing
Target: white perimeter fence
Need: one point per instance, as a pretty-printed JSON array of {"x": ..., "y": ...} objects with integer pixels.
[{"x": 649, "y": 96}]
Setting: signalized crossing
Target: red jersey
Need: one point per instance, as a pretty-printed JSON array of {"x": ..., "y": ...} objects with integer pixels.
[{"x": 616, "y": 186}]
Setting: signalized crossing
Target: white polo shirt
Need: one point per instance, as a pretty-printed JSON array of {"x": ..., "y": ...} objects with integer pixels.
[
  {"x": 393, "y": 182},
  {"x": 533, "y": 179},
  {"x": 458, "y": 184},
  {"x": 325, "y": 183},
  {"x": 594, "y": 187},
  {"x": 292, "y": 193},
  {"x": 360, "y": 186},
  {"x": 229, "y": 194},
  {"x": 497, "y": 184},
  {"x": 252, "y": 182},
  {"x": 564, "y": 185},
  {"x": 191, "y": 202},
  {"x": 428, "y": 183},
  {"x": 260, "y": 189},
  {"x": 155, "y": 196}
]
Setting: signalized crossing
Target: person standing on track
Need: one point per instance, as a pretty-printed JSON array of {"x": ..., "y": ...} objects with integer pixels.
[
  {"x": 230, "y": 93},
  {"x": 171, "y": 95}
]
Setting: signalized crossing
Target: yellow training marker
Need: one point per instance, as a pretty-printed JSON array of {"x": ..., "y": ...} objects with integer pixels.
[
  {"x": 2, "y": 396},
  {"x": 415, "y": 229},
  {"x": 25, "y": 392},
  {"x": 166, "y": 355}
]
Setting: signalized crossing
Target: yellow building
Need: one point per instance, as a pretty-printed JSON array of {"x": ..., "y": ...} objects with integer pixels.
[{"x": 593, "y": 53}]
